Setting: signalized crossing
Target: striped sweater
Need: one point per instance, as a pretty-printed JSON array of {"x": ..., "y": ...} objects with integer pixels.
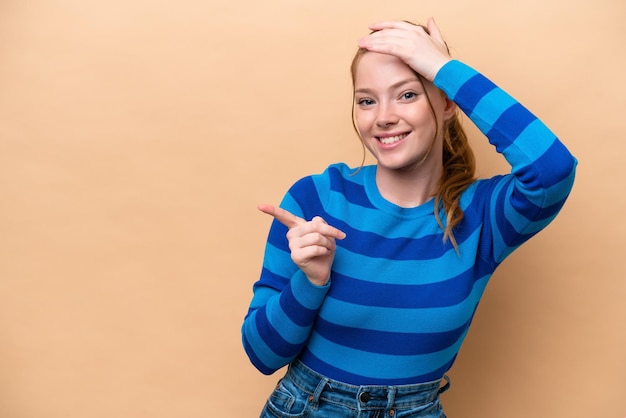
[{"x": 400, "y": 300}]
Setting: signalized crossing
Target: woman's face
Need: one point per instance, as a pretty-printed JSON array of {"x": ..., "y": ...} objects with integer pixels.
[{"x": 393, "y": 116}]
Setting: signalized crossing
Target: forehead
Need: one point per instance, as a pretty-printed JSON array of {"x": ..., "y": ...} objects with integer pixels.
[{"x": 380, "y": 69}]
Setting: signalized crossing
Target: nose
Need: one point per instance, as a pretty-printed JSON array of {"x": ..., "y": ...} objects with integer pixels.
[{"x": 386, "y": 115}]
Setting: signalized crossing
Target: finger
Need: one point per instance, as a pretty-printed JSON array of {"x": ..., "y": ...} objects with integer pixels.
[
  {"x": 389, "y": 33},
  {"x": 328, "y": 230},
  {"x": 382, "y": 41},
  {"x": 392, "y": 24},
  {"x": 281, "y": 215},
  {"x": 314, "y": 239},
  {"x": 317, "y": 227},
  {"x": 306, "y": 254},
  {"x": 434, "y": 31}
]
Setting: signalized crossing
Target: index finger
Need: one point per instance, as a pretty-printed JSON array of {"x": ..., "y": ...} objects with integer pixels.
[
  {"x": 393, "y": 24},
  {"x": 281, "y": 215},
  {"x": 434, "y": 31}
]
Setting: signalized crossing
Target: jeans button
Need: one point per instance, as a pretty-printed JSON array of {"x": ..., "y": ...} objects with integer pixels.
[{"x": 364, "y": 397}]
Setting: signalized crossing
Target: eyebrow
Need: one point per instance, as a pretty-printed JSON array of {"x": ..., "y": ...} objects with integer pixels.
[{"x": 392, "y": 87}]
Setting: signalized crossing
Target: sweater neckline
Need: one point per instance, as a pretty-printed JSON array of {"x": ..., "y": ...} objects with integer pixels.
[{"x": 373, "y": 194}]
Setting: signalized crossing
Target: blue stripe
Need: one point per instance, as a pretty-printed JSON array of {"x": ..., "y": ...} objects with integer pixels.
[
  {"x": 483, "y": 196},
  {"x": 553, "y": 170},
  {"x": 389, "y": 343},
  {"x": 352, "y": 192},
  {"x": 307, "y": 199},
  {"x": 452, "y": 76},
  {"x": 272, "y": 338},
  {"x": 360, "y": 221},
  {"x": 535, "y": 140},
  {"x": 299, "y": 314},
  {"x": 365, "y": 363},
  {"x": 483, "y": 113},
  {"x": 265, "y": 355},
  {"x": 510, "y": 236},
  {"x": 272, "y": 280},
  {"x": 424, "y": 248},
  {"x": 559, "y": 191},
  {"x": 472, "y": 92},
  {"x": 293, "y": 334},
  {"x": 530, "y": 212},
  {"x": 520, "y": 220},
  {"x": 404, "y": 271},
  {"x": 339, "y": 373},
  {"x": 277, "y": 237},
  {"x": 403, "y": 320},
  {"x": 511, "y": 123},
  {"x": 254, "y": 359},
  {"x": 276, "y": 263},
  {"x": 433, "y": 295}
]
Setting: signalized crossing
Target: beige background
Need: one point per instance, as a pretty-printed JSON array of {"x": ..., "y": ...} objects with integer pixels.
[{"x": 137, "y": 137}]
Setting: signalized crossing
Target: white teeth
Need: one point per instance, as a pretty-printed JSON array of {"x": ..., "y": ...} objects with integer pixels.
[{"x": 392, "y": 139}]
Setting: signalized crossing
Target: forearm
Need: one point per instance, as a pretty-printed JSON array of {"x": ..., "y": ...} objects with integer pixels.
[
  {"x": 537, "y": 157},
  {"x": 542, "y": 169},
  {"x": 279, "y": 321}
]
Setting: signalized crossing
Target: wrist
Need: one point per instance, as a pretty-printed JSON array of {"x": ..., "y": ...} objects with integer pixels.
[
  {"x": 437, "y": 67},
  {"x": 319, "y": 282}
]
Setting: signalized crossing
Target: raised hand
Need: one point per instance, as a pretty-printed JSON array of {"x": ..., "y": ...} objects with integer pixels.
[
  {"x": 425, "y": 53},
  {"x": 312, "y": 243}
]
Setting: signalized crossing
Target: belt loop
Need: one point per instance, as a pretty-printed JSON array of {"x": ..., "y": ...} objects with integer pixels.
[
  {"x": 446, "y": 386},
  {"x": 314, "y": 398},
  {"x": 391, "y": 397}
]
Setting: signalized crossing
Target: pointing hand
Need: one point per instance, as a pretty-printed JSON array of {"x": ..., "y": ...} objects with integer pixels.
[{"x": 312, "y": 243}]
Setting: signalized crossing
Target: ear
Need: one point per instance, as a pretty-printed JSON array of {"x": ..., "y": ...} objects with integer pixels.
[{"x": 449, "y": 109}]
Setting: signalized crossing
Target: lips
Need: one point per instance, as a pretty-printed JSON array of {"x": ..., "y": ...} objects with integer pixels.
[{"x": 387, "y": 140}]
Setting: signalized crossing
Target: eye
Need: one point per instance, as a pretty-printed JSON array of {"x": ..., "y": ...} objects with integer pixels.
[
  {"x": 409, "y": 95},
  {"x": 365, "y": 102}
]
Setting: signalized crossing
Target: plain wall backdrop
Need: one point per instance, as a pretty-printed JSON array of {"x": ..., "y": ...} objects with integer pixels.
[{"x": 137, "y": 138}]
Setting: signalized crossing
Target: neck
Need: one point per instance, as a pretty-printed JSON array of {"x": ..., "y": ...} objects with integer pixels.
[{"x": 408, "y": 187}]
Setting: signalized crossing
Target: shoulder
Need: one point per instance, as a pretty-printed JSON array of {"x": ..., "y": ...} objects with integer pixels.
[
  {"x": 333, "y": 174},
  {"x": 310, "y": 195}
]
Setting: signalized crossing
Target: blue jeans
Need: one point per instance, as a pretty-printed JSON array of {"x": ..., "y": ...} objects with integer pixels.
[{"x": 305, "y": 393}]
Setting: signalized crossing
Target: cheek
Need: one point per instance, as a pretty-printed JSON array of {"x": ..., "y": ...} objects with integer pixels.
[
  {"x": 422, "y": 117},
  {"x": 363, "y": 121}
]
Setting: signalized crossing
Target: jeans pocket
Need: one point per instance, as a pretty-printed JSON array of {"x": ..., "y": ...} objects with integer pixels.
[{"x": 286, "y": 401}]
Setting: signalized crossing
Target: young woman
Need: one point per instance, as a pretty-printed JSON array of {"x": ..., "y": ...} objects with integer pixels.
[{"x": 372, "y": 275}]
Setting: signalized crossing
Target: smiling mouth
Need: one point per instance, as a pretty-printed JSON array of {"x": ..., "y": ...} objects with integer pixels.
[{"x": 392, "y": 139}]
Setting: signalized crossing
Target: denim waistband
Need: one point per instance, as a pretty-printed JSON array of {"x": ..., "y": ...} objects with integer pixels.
[{"x": 320, "y": 387}]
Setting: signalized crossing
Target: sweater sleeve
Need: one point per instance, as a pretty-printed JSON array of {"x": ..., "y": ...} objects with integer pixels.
[
  {"x": 542, "y": 170},
  {"x": 285, "y": 303}
]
